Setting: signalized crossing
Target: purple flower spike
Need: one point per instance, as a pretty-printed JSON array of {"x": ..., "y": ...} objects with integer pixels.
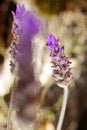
[
  {"x": 60, "y": 63},
  {"x": 25, "y": 26}
]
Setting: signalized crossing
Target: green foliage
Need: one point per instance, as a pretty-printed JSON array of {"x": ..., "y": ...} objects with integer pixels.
[
  {"x": 55, "y": 6},
  {"x": 50, "y": 6}
]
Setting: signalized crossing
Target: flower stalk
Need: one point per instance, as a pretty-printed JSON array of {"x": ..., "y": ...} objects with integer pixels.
[
  {"x": 9, "y": 126},
  {"x": 63, "y": 109},
  {"x": 61, "y": 71}
]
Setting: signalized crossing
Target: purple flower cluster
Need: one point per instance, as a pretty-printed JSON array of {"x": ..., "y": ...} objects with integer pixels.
[
  {"x": 60, "y": 63},
  {"x": 25, "y": 27},
  {"x": 13, "y": 47}
]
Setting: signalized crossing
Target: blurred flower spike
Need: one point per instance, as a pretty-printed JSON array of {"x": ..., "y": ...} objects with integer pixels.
[
  {"x": 25, "y": 26},
  {"x": 60, "y": 63}
]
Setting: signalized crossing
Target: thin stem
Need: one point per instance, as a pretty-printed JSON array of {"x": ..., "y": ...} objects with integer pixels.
[
  {"x": 61, "y": 118},
  {"x": 11, "y": 106}
]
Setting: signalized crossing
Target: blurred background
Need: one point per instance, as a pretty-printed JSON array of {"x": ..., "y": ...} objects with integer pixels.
[{"x": 66, "y": 19}]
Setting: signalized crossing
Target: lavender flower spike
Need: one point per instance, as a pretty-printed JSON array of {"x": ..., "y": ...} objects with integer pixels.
[
  {"x": 25, "y": 26},
  {"x": 60, "y": 63},
  {"x": 61, "y": 71}
]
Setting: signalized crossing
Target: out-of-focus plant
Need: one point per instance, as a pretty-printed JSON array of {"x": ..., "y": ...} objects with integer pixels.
[
  {"x": 50, "y": 6},
  {"x": 25, "y": 27},
  {"x": 61, "y": 71},
  {"x": 54, "y": 7}
]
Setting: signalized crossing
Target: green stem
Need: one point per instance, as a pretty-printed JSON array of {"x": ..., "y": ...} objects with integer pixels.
[
  {"x": 11, "y": 106},
  {"x": 61, "y": 118}
]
